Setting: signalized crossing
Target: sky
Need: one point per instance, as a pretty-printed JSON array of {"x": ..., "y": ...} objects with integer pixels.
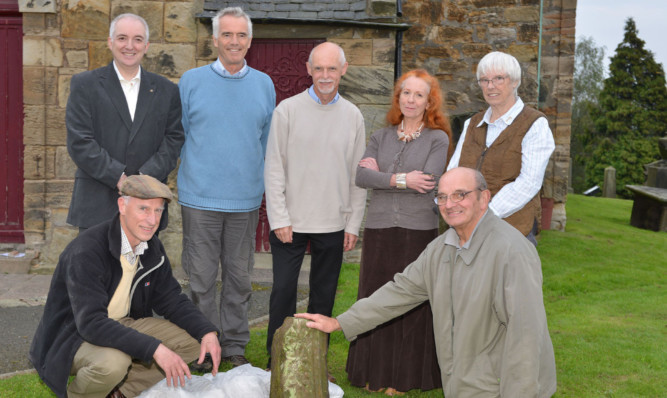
[{"x": 604, "y": 21}]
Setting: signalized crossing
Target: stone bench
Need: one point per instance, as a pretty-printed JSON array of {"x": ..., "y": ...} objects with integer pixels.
[{"x": 649, "y": 210}]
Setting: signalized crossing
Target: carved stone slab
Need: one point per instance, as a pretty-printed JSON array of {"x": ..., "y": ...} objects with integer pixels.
[{"x": 298, "y": 361}]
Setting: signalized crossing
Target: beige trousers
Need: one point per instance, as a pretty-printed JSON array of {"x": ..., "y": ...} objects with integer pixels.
[{"x": 98, "y": 369}]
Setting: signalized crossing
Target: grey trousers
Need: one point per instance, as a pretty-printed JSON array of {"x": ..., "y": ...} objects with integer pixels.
[{"x": 211, "y": 238}]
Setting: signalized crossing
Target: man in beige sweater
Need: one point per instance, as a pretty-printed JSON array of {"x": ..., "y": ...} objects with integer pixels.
[{"x": 316, "y": 140}]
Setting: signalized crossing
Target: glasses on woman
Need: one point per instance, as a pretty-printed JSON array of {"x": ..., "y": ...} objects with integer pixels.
[
  {"x": 497, "y": 80},
  {"x": 455, "y": 197}
]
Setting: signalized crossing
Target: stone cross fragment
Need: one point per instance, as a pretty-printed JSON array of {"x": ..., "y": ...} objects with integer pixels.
[{"x": 298, "y": 361}]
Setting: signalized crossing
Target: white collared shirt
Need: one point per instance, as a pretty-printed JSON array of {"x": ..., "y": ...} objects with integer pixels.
[
  {"x": 536, "y": 149},
  {"x": 130, "y": 89},
  {"x": 126, "y": 249}
]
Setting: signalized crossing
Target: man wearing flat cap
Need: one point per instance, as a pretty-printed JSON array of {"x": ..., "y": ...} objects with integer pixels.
[{"x": 98, "y": 322}]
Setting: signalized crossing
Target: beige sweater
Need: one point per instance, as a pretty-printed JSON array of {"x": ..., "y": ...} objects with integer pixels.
[{"x": 311, "y": 161}]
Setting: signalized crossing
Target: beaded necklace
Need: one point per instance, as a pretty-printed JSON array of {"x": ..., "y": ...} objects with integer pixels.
[{"x": 409, "y": 137}]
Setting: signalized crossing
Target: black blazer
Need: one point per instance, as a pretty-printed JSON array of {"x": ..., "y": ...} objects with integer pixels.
[{"x": 104, "y": 141}]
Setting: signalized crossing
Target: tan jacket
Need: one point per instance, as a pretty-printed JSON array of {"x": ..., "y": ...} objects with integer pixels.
[{"x": 488, "y": 315}]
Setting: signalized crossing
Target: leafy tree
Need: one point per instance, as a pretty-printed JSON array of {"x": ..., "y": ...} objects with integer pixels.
[
  {"x": 588, "y": 82},
  {"x": 631, "y": 116}
]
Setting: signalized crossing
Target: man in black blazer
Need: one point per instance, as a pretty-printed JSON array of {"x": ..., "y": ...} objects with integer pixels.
[{"x": 121, "y": 120}]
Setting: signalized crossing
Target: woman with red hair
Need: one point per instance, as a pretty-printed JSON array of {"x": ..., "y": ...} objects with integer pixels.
[{"x": 402, "y": 164}]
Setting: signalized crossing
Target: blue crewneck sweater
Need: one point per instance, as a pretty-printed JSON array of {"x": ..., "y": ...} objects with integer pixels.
[{"x": 226, "y": 121}]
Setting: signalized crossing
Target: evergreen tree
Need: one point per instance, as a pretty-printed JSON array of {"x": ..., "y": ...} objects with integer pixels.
[
  {"x": 631, "y": 116},
  {"x": 588, "y": 81}
]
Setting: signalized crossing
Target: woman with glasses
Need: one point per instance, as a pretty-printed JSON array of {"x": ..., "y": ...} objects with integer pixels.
[
  {"x": 510, "y": 143},
  {"x": 401, "y": 166}
]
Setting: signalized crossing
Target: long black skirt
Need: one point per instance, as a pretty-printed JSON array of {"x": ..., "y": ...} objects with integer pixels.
[{"x": 400, "y": 353}]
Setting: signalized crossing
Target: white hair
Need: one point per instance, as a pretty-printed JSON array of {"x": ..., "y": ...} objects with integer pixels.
[
  {"x": 502, "y": 63},
  {"x": 126, "y": 199},
  {"x": 112, "y": 27},
  {"x": 234, "y": 12}
]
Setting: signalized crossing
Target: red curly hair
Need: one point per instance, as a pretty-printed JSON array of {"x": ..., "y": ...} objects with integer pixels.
[{"x": 434, "y": 116}]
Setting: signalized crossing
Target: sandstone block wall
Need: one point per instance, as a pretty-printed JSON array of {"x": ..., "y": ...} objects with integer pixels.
[
  {"x": 448, "y": 38},
  {"x": 64, "y": 38},
  {"x": 68, "y": 37}
]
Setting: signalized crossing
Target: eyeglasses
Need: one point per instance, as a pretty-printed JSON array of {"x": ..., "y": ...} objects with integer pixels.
[
  {"x": 498, "y": 80},
  {"x": 455, "y": 197}
]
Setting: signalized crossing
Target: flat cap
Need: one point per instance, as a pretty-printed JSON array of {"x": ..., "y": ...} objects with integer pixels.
[{"x": 143, "y": 186}]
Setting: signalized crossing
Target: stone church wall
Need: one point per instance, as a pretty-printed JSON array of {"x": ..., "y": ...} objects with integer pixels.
[{"x": 448, "y": 38}]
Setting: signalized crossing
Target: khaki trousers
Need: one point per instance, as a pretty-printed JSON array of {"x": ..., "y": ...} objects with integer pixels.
[{"x": 98, "y": 369}]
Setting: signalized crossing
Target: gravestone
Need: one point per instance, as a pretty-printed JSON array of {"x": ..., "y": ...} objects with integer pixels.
[
  {"x": 609, "y": 186},
  {"x": 298, "y": 361}
]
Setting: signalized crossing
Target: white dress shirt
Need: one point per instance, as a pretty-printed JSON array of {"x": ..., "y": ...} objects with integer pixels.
[
  {"x": 536, "y": 149},
  {"x": 130, "y": 89},
  {"x": 126, "y": 249}
]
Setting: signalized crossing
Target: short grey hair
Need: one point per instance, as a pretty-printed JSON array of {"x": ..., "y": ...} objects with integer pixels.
[
  {"x": 234, "y": 12},
  {"x": 500, "y": 62},
  {"x": 112, "y": 27},
  {"x": 480, "y": 181},
  {"x": 126, "y": 199},
  {"x": 341, "y": 54}
]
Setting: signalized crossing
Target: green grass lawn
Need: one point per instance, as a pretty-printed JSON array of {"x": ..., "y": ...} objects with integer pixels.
[{"x": 604, "y": 292}]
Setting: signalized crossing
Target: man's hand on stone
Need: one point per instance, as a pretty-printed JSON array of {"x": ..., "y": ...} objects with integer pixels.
[
  {"x": 175, "y": 369},
  {"x": 320, "y": 322},
  {"x": 211, "y": 345}
]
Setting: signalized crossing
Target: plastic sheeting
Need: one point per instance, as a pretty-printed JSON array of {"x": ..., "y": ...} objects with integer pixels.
[{"x": 244, "y": 381}]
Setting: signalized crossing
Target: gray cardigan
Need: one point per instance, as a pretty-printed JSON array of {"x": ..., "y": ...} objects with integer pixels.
[{"x": 405, "y": 208}]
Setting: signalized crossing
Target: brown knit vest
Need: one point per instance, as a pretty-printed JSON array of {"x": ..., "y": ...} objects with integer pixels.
[{"x": 500, "y": 164}]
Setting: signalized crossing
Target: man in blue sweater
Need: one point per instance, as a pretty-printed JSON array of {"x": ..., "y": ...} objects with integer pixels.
[{"x": 227, "y": 108}]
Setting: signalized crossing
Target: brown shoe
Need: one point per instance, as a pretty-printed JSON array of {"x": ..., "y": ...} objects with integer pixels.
[
  {"x": 115, "y": 393},
  {"x": 236, "y": 360},
  {"x": 331, "y": 378}
]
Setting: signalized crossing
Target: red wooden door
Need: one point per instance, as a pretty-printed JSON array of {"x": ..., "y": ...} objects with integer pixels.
[
  {"x": 11, "y": 124},
  {"x": 285, "y": 61}
]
